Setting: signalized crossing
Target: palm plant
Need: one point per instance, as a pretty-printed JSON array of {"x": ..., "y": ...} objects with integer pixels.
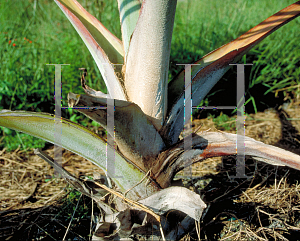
[{"x": 148, "y": 116}]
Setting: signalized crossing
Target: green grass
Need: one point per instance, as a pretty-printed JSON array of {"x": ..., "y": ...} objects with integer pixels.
[
  {"x": 42, "y": 34},
  {"x": 11, "y": 140},
  {"x": 224, "y": 122},
  {"x": 27, "y": 82}
]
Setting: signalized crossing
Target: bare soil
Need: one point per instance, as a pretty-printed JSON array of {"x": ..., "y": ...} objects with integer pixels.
[{"x": 265, "y": 207}]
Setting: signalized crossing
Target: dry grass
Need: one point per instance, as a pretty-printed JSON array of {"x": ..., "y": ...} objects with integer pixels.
[
  {"x": 265, "y": 207},
  {"x": 27, "y": 181},
  {"x": 32, "y": 198}
]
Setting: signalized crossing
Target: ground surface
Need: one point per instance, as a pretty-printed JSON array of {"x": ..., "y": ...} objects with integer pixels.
[{"x": 35, "y": 206}]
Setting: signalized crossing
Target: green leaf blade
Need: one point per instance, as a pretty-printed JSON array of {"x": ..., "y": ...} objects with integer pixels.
[
  {"x": 129, "y": 13},
  {"x": 108, "y": 42},
  {"x": 103, "y": 62},
  {"x": 81, "y": 141}
]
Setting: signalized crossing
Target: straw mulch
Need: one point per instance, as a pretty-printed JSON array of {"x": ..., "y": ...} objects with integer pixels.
[
  {"x": 32, "y": 195},
  {"x": 265, "y": 207}
]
